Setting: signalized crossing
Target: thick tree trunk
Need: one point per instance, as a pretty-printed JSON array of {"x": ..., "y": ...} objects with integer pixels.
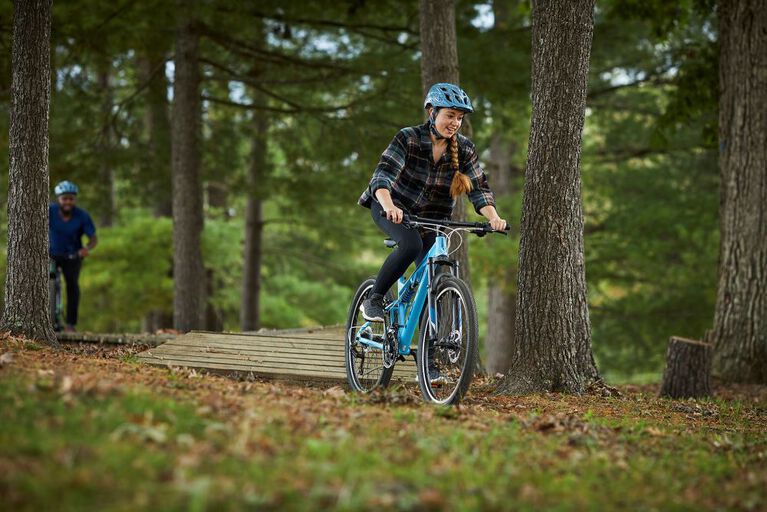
[
  {"x": 740, "y": 319},
  {"x": 439, "y": 63},
  {"x": 188, "y": 272},
  {"x": 26, "y": 281},
  {"x": 501, "y": 297},
  {"x": 688, "y": 367},
  {"x": 552, "y": 350},
  {"x": 254, "y": 227}
]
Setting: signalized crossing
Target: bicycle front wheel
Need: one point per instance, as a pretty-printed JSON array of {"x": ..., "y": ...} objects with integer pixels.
[
  {"x": 448, "y": 344},
  {"x": 365, "y": 369}
]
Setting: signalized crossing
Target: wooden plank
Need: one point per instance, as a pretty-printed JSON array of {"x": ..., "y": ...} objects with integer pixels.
[
  {"x": 258, "y": 371},
  {"x": 284, "y": 353},
  {"x": 287, "y": 374},
  {"x": 114, "y": 339},
  {"x": 255, "y": 341},
  {"x": 256, "y": 359},
  {"x": 257, "y": 363},
  {"x": 267, "y": 342},
  {"x": 240, "y": 335},
  {"x": 252, "y": 349}
]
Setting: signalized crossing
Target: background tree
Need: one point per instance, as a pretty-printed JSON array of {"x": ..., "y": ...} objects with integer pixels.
[
  {"x": 740, "y": 318},
  {"x": 26, "y": 283},
  {"x": 553, "y": 339},
  {"x": 188, "y": 274},
  {"x": 439, "y": 63}
]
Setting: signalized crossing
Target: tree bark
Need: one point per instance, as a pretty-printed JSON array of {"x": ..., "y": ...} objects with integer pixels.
[
  {"x": 254, "y": 226},
  {"x": 552, "y": 350},
  {"x": 740, "y": 318},
  {"x": 688, "y": 367},
  {"x": 26, "y": 281},
  {"x": 188, "y": 272},
  {"x": 157, "y": 166},
  {"x": 104, "y": 146},
  {"x": 218, "y": 199},
  {"x": 439, "y": 63},
  {"x": 501, "y": 297},
  {"x": 157, "y": 160}
]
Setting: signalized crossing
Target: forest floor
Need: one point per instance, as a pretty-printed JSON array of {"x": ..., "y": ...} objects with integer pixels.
[{"x": 88, "y": 427}]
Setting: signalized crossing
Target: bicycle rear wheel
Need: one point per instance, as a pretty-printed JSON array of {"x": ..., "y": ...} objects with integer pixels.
[
  {"x": 54, "y": 296},
  {"x": 450, "y": 345},
  {"x": 365, "y": 368}
]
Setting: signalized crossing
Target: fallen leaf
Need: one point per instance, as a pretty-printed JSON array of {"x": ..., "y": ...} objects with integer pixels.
[
  {"x": 6, "y": 358},
  {"x": 431, "y": 499},
  {"x": 334, "y": 392}
]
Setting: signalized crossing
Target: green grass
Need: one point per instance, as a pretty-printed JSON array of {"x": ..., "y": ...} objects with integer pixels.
[{"x": 183, "y": 448}]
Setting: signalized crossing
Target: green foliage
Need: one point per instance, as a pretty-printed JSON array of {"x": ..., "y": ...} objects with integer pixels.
[{"x": 128, "y": 274}]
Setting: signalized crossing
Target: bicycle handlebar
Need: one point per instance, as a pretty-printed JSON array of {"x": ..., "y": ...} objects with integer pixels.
[
  {"x": 71, "y": 256},
  {"x": 484, "y": 227}
]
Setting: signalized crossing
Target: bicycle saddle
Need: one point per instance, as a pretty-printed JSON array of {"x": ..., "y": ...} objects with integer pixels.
[{"x": 390, "y": 243}]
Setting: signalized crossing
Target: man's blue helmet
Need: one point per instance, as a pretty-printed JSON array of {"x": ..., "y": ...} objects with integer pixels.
[
  {"x": 65, "y": 187},
  {"x": 445, "y": 95}
]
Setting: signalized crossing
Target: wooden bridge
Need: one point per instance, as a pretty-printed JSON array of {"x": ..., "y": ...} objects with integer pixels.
[{"x": 299, "y": 354}]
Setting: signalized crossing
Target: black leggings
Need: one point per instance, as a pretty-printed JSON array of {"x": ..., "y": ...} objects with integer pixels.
[
  {"x": 71, "y": 270},
  {"x": 410, "y": 247}
]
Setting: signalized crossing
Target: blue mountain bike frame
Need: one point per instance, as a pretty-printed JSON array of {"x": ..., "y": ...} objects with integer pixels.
[{"x": 405, "y": 311}]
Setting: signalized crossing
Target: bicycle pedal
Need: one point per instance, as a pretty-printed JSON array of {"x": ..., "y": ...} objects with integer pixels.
[{"x": 401, "y": 358}]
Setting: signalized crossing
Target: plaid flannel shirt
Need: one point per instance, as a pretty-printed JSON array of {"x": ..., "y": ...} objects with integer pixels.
[{"x": 417, "y": 185}]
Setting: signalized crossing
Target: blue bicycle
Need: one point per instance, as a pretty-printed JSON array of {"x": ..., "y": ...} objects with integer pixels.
[{"x": 436, "y": 301}]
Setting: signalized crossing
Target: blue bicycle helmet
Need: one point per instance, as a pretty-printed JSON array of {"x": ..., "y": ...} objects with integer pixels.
[
  {"x": 445, "y": 95},
  {"x": 65, "y": 187}
]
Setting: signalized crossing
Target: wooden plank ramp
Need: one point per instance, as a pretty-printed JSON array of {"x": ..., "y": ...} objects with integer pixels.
[
  {"x": 302, "y": 355},
  {"x": 152, "y": 340}
]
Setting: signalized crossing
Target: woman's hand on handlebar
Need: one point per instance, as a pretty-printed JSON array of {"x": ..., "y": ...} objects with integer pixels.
[
  {"x": 393, "y": 213},
  {"x": 498, "y": 224}
]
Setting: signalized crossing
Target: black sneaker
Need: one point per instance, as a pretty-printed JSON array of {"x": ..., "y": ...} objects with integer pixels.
[
  {"x": 372, "y": 308},
  {"x": 435, "y": 377}
]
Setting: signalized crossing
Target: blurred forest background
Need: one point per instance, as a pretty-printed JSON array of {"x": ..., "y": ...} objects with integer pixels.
[{"x": 299, "y": 99}]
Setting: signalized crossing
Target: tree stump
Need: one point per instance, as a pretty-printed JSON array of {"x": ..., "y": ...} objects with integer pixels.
[{"x": 688, "y": 369}]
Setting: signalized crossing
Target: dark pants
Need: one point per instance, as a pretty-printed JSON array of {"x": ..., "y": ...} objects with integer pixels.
[
  {"x": 71, "y": 270},
  {"x": 411, "y": 246}
]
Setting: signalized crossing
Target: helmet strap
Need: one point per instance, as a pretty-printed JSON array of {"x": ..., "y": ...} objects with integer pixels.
[{"x": 433, "y": 124}]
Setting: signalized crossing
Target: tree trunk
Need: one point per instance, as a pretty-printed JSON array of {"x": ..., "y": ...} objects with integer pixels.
[
  {"x": 157, "y": 167},
  {"x": 218, "y": 197},
  {"x": 501, "y": 298},
  {"x": 26, "y": 280},
  {"x": 104, "y": 146},
  {"x": 254, "y": 226},
  {"x": 688, "y": 366},
  {"x": 740, "y": 318},
  {"x": 552, "y": 350},
  {"x": 439, "y": 63},
  {"x": 188, "y": 272},
  {"x": 157, "y": 163}
]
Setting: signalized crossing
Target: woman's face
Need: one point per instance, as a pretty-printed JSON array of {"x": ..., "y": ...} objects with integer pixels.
[{"x": 448, "y": 121}]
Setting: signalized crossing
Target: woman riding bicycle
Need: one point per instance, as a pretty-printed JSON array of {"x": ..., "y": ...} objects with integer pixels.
[{"x": 417, "y": 176}]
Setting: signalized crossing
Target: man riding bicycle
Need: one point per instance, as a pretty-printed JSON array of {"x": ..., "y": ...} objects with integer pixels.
[{"x": 66, "y": 226}]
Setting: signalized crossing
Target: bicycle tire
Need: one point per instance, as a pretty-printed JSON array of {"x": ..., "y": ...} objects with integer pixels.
[
  {"x": 354, "y": 318},
  {"x": 469, "y": 343}
]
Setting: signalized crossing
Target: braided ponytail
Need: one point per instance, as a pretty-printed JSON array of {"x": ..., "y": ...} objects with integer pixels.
[{"x": 461, "y": 183}]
